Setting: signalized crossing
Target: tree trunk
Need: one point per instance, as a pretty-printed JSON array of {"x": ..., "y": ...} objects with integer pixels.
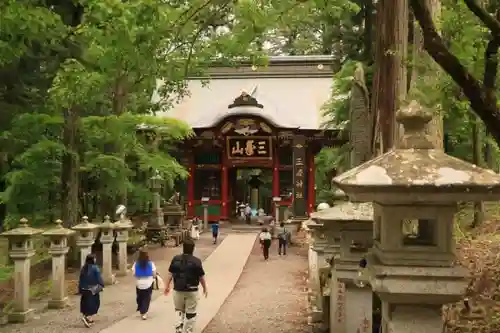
[
  {"x": 70, "y": 168},
  {"x": 389, "y": 84},
  {"x": 477, "y": 160}
]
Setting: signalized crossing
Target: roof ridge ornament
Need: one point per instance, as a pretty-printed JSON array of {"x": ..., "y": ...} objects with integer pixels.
[
  {"x": 245, "y": 100},
  {"x": 414, "y": 118}
]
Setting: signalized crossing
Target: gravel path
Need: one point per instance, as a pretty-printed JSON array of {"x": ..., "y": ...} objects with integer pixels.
[
  {"x": 269, "y": 296},
  {"x": 117, "y": 301}
]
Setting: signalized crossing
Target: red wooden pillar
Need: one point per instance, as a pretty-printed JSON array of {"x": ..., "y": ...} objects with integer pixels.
[
  {"x": 224, "y": 192},
  {"x": 190, "y": 187},
  {"x": 311, "y": 193}
]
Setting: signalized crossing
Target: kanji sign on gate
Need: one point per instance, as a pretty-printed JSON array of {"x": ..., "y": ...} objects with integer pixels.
[{"x": 249, "y": 147}]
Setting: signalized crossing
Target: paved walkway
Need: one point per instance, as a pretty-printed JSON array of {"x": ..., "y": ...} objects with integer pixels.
[{"x": 223, "y": 269}]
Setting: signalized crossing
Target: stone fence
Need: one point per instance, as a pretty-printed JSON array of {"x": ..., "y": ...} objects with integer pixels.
[{"x": 21, "y": 249}]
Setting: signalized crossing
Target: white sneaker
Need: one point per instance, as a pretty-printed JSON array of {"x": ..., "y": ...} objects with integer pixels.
[{"x": 144, "y": 316}]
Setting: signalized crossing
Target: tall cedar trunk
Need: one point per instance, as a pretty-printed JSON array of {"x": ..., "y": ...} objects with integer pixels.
[
  {"x": 70, "y": 167},
  {"x": 477, "y": 160},
  {"x": 389, "y": 84},
  {"x": 119, "y": 103},
  {"x": 435, "y": 127}
]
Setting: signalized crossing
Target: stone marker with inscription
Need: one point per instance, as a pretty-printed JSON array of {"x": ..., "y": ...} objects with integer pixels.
[{"x": 355, "y": 222}]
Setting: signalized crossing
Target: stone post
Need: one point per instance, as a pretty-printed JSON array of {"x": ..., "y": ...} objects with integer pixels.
[
  {"x": 277, "y": 201},
  {"x": 122, "y": 227},
  {"x": 316, "y": 259},
  {"x": 86, "y": 233},
  {"x": 58, "y": 237},
  {"x": 107, "y": 239},
  {"x": 413, "y": 270},
  {"x": 204, "y": 202},
  {"x": 351, "y": 306},
  {"x": 21, "y": 250}
]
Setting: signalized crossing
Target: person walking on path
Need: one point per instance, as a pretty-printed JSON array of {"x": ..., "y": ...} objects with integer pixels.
[
  {"x": 248, "y": 213},
  {"x": 265, "y": 242},
  {"x": 282, "y": 239},
  {"x": 215, "y": 231},
  {"x": 145, "y": 273},
  {"x": 187, "y": 272},
  {"x": 90, "y": 284}
]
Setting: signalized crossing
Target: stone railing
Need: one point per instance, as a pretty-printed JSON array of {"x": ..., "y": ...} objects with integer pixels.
[{"x": 21, "y": 250}]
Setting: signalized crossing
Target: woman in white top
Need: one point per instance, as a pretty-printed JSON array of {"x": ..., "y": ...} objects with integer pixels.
[
  {"x": 265, "y": 242},
  {"x": 145, "y": 273}
]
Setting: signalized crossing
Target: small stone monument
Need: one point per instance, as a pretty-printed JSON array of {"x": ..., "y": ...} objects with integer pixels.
[
  {"x": 107, "y": 239},
  {"x": 122, "y": 227},
  {"x": 355, "y": 222},
  {"x": 413, "y": 270},
  {"x": 86, "y": 233},
  {"x": 21, "y": 250},
  {"x": 173, "y": 212},
  {"x": 204, "y": 202},
  {"x": 58, "y": 237}
]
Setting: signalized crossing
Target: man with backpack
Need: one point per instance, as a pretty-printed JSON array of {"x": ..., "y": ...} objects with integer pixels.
[
  {"x": 187, "y": 272},
  {"x": 282, "y": 238}
]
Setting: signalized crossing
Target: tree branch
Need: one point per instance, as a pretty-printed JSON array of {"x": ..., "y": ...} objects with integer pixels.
[
  {"x": 489, "y": 20},
  {"x": 471, "y": 87}
]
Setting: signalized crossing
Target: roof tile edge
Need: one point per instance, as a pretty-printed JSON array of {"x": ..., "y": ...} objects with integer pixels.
[{"x": 277, "y": 67}]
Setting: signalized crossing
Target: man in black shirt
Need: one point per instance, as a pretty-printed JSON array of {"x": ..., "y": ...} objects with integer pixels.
[{"x": 187, "y": 272}]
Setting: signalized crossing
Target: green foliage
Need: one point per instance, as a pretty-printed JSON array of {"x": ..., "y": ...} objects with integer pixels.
[{"x": 102, "y": 60}]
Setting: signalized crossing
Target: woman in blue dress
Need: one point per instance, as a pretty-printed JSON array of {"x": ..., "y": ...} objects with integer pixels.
[{"x": 90, "y": 285}]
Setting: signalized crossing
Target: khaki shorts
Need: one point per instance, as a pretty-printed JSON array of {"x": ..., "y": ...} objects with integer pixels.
[{"x": 186, "y": 301}]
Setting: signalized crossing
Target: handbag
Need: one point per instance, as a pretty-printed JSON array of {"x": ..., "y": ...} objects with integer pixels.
[
  {"x": 96, "y": 289},
  {"x": 160, "y": 284}
]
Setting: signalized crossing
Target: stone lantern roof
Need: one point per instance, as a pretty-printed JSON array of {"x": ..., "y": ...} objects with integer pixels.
[
  {"x": 23, "y": 230},
  {"x": 416, "y": 172},
  {"x": 85, "y": 225},
  {"x": 347, "y": 211},
  {"x": 58, "y": 230},
  {"x": 107, "y": 224}
]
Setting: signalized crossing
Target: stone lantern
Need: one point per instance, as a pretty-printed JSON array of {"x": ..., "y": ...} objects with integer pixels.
[
  {"x": 107, "y": 239},
  {"x": 415, "y": 189},
  {"x": 122, "y": 227},
  {"x": 86, "y": 233},
  {"x": 156, "y": 185},
  {"x": 21, "y": 250},
  {"x": 276, "y": 201},
  {"x": 204, "y": 202},
  {"x": 58, "y": 237},
  {"x": 350, "y": 296}
]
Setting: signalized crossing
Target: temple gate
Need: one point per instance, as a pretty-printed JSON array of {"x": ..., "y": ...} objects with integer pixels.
[{"x": 268, "y": 119}]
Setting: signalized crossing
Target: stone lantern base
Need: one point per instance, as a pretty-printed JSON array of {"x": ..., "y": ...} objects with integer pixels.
[
  {"x": 57, "y": 304},
  {"x": 20, "y": 317}
]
